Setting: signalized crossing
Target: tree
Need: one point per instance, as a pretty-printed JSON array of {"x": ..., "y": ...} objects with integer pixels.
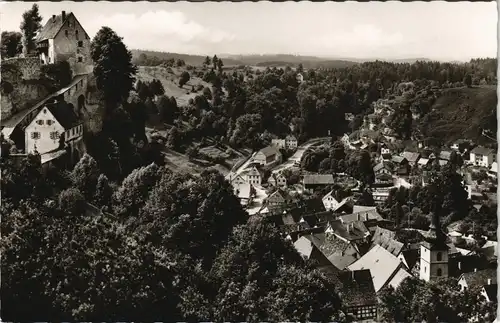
[
  {"x": 30, "y": 25},
  {"x": 113, "y": 68},
  {"x": 184, "y": 78},
  {"x": 103, "y": 192},
  {"x": 468, "y": 80},
  {"x": 207, "y": 93},
  {"x": 220, "y": 65},
  {"x": 72, "y": 201},
  {"x": 84, "y": 176},
  {"x": 11, "y": 44},
  {"x": 215, "y": 61},
  {"x": 206, "y": 62},
  {"x": 134, "y": 190}
]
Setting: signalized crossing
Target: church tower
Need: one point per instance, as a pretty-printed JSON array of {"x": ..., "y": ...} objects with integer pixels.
[{"x": 434, "y": 253}]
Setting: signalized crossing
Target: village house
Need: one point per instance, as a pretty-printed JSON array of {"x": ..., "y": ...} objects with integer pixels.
[
  {"x": 481, "y": 156},
  {"x": 385, "y": 268},
  {"x": 339, "y": 252},
  {"x": 358, "y": 294},
  {"x": 313, "y": 181},
  {"x": 329, "y": 201},
  {"x": 289, "y": 143},
  {"x": 401, "y": 165},
  {"x": 383, "y": 173},
  {"x": 307, "y": 247},
  {"x": 444, "y": 155},
  {"x": 354, "y": 231},
  {"x": 277, "y": 180},
  {"x": 55, "y": 127},
  {"x": 460, "y": 145},
  {"x": 423, "y": 162},
  {"x": 63, "y": 38},
  {"x": 252, "y": 176},
  {"x": 344, "y": 206},
  {"x": 411, "y": 157},
  {"x": 244, "y": 192},
  {"x": 478, "y": 278},
  {"x": 278, "y": 198},
  {"x": 268, "y": 156}
]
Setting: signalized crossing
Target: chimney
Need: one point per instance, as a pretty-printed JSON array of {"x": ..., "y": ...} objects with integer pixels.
[
  {"x": 53, "y": 17},
  {"x": 489, "y": 281},
  {"x": 63, "y": 14}
]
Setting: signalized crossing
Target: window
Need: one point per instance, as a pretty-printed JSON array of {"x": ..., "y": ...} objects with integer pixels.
[
  {"x": 54, "y": 135},
  {"x": 78, "y": 50},
  {"x": 35, "y": 135},
  {"x": 66, "y": 33},
  {"x": 80, "y": 59},
  {"x": 439, "y": 256},
  {"x": 39, "y": 122},
  {"x": 425, "y": 269},
  {"x": 80, "y": 43},
  {"x": 76, "y": 34},
  {"x": 49, "y": 122},
  {"x": 73, "y": 131},
  {"x": 439, "y": 271}
]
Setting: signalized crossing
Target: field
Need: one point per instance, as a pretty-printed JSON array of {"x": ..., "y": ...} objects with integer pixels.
[
  {"x": 170, "y": 82},
  {"x": 463, "y": 113}
]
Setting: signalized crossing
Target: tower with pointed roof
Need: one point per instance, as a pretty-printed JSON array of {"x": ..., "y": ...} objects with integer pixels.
[{"x": 434, "y": 252}]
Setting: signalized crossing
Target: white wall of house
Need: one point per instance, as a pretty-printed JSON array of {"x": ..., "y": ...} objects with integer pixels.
[
  {"x": 462, "y": 283},
  {"x": 482, "y": 160},
  {"x": 43, "y": 133},
  {"x": 330, "y": 202}
]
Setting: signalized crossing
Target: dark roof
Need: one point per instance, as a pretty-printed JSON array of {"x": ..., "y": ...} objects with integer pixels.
[
  {"x": 333, "y": 248},
  {"x": 480, "y": 277},
  {"x": 391, "y": 245},
  {"x": 269, "y": 151},
  {"x": 64, "y": 114},
  {"x": 344, "y": 206},
  {"x": 398, "y": 159},
  {"x": 491, "y": 291},
  {"x": 353, "y": 231},
  {"x": 411, "y": 257},
  {"x": 361, "y": 216},
  {"x": 356, "y": 288},
  {"x": 481, "y": 150}
]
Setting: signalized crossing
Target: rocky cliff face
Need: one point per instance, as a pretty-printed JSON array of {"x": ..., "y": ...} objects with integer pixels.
[{"x": 21, "y": 85}]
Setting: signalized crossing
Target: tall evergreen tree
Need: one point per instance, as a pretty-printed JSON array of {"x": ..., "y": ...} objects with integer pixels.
[{"x": 30, "y": 26}]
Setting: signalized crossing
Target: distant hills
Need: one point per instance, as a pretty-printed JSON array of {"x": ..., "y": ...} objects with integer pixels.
[{"x": 277, "y": 60}]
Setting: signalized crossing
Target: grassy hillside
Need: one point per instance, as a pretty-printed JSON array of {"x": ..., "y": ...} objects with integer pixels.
[
  {"x": 170, "y": 82},
  {"x": 462, "y": 113}
]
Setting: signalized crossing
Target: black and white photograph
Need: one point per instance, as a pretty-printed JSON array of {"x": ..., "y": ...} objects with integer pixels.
[{"x": 248, "y": 161}]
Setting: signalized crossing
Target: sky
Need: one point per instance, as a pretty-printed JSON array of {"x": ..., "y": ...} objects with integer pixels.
[{"x": 387, "y": 30}]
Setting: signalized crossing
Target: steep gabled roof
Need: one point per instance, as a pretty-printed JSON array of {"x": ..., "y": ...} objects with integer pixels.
[
  {"x": 482, "y": 150},
  {"x": 356, "y": 288},
  {"x": 480, "y": 277},
  {"x": 269, "y": 151},
  {"x": 54, "y": 25},
  {"x": 382, "y": 264},
  {"x": 64, "y": 114},
  {"x": 491, "y": 291},
  {"x": 411, "y": 156}
]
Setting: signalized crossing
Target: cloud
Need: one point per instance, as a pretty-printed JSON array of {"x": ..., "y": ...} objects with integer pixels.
[
  {"x": 365, "y": 38},
  {"x": 160, "y": 27}
]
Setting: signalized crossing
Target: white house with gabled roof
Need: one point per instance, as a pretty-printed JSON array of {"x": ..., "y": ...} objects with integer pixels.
[{"x": 54, "y": 126}]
